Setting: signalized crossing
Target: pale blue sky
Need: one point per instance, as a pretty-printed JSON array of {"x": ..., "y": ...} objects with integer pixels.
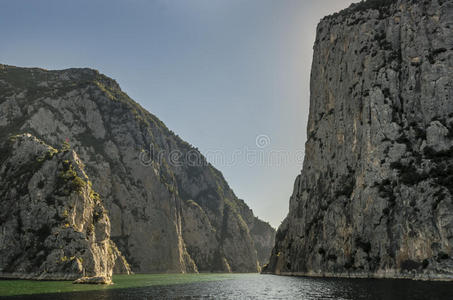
[{"x": 217, "y": 72}]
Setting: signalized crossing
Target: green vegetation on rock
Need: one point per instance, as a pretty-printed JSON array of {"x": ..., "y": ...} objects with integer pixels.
[{"x": 68, "y": 180}]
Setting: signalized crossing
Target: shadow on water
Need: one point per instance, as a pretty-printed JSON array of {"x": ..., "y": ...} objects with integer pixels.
[{"x": 255, "y": 286}]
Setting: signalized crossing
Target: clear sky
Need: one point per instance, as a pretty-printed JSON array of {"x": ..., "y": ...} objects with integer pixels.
[{"x": 219, "y": 73}]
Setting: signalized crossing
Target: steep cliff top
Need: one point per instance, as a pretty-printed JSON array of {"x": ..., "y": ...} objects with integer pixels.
[
  {"x": 20, "y": 77},
  {"x": 362, "y": 6},
  {"x": 37, "y": 81}
]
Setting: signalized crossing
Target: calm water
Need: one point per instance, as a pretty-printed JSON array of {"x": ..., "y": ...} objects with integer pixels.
[{"x": 246, "y": 286}]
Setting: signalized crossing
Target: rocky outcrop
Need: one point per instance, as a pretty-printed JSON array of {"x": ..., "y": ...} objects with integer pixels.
[
  {"x": 374, "y": 198},
  {"x": 53, "y": 225},
  {"x": 170, "y": 210}
]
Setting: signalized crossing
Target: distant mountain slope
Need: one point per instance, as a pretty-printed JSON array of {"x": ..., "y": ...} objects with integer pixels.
[{"x": 170, "y": 211}]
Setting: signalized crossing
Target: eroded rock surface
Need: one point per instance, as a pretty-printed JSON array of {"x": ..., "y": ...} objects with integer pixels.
[
  {"x": 53, "y": 225},
  {"x": 374, "y": 198},
  {"x": 166, "y": 214}
]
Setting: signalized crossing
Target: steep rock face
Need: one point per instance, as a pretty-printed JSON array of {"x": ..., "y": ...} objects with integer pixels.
[
  {"x": 375, "y": 196},
  {"x": 53, "y": 225},
  {"x": 170, "y": 211}
]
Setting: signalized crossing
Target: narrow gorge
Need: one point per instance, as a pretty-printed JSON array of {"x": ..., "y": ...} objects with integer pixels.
[{"x": 375, "y": 196}]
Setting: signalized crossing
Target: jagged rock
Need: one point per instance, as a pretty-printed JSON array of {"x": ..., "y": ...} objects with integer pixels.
[
  {"x": 167, "y": 214},
  {"x": 374, "y": 198},
  {"x": 53, "y": 225},
  {"x": 94, "y": 280}
]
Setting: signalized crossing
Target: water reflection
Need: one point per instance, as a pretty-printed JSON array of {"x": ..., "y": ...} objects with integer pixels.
[{"x": 255, "y": 286}]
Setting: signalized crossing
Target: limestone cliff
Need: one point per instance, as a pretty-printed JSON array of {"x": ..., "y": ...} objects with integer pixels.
[
  {"x": 169, "y": 210},
  {"x": 54, "y": 226},
  {"x": 375, "y": 196}
]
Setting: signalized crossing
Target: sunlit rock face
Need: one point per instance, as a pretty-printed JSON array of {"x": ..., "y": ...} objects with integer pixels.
[
  {"x": 165, "y": 214},
  {"x": 375, "y": 194},
  {"x": 53, "y": 225}
]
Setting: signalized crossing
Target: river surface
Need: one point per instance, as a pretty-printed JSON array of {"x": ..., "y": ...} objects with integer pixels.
[{"x": 232, "y": 286}]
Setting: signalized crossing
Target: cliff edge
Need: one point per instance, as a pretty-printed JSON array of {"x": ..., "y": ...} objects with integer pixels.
[{"x": 375, "y": 196}]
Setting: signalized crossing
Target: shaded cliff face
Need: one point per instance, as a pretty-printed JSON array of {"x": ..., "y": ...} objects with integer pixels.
[
  {"x": 170, "y": 211},
  {"x": 375, "y": 196},
  {"x": 54, "y": 226}
]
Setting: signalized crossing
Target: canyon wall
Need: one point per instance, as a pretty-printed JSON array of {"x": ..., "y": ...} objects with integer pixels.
[
  {"x": 375, "y": 196},
  {"x": 161, "y": 212}
]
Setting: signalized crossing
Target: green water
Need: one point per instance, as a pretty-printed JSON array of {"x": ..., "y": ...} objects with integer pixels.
[
  {"x": 229, "y": 286},
  {"x": 27, "y": 287}
]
